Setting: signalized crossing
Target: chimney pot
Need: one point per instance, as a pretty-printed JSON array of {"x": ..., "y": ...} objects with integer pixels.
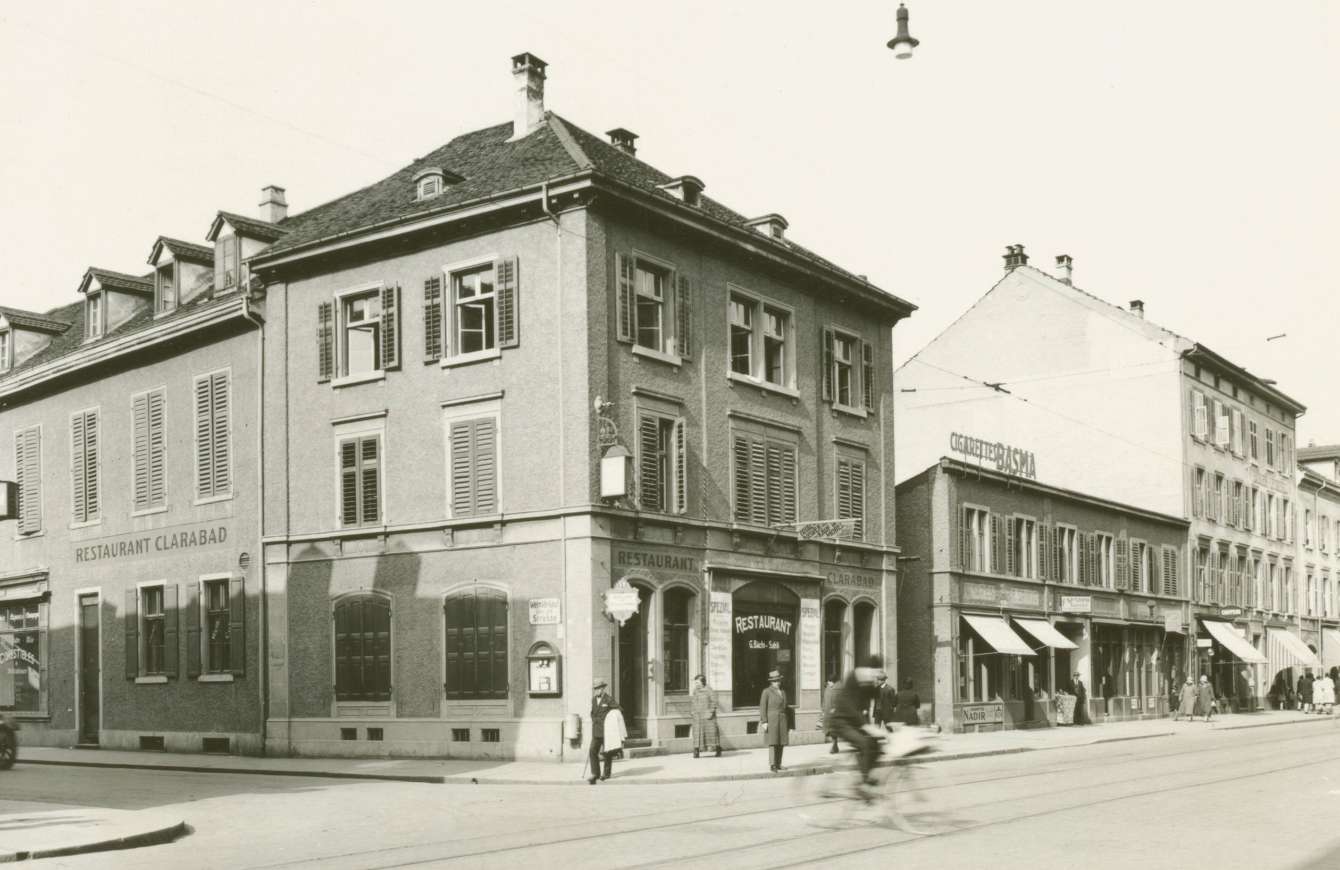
[
  {"x": 528, "y": 75},
  {"x": 1138, "y": 308},
  {"x": 623, "y": 139},
  {"x": 274, "y": 207},
  {"x": 1064, "y": 266},
  {"x": 1015, "y": 257}
]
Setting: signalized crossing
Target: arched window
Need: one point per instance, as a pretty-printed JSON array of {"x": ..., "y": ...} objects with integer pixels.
[
  {"x": 476, "y": 666},
  {"x": 834, "y": 611},
  {"x": 363, "y": 648},
  {"x": 678, "y": 606}
]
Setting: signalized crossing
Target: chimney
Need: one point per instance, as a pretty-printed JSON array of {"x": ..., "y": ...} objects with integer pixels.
[
  {"x": 1064, "y": 266},
  {"x": 771, "y": 225},
  {"x": 274, "y": 208},
  {"x": 1138, "y": 308},
  {"x": 1015, "y": 257},
  {"x": 623, "y": 140},
  {"x": 687, "y": 188},
  {"x": 528, "y": 75}
]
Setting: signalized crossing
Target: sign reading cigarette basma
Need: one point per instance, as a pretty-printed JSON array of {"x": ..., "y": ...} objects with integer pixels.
[{"x": 1007, "y": 459}]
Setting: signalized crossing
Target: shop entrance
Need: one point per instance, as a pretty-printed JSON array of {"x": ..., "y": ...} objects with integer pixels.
[
  {"x": 633, "y": 672},
  {"x": 90, "y": 713},
  {"x": 765, "y": 617}
]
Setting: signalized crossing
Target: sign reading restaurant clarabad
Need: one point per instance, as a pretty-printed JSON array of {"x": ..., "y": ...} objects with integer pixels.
[
  {"x": 1008, "y": 459},
  {"x": 160, "y": 541}
]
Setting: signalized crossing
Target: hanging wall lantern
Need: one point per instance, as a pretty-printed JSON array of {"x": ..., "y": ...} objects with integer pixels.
[{"x": 903, "y": 43}]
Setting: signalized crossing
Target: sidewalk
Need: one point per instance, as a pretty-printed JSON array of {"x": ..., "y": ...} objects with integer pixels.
[
  {"x": 679, "y": 768},
  {"x": 42, "y": 832}
]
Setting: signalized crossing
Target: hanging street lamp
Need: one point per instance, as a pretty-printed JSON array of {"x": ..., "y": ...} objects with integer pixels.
[{"x": 903, "y": 43}]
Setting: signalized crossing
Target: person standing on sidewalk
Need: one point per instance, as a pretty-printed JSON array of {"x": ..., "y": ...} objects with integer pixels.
[
  {"x": 1187, "y": 706},
  {"x": 706, "y": 734},
  {"x": 908, "y": 704},
  {"x": 1323, "y": 694},
  {"x": 772, "y": 719},
  {"x": 1305, "y": 692},
  {"x": 1081, "y": 702},
  {"x": 830, "y": 692},
  {"x": 886, "y": 702},
  {"x": 1205, "y": 697},
  {"x": 601, "y": 705}
]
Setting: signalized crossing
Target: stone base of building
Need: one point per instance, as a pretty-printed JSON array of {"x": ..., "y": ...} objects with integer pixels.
[
  {"x": 237, "y": 743},
  {"x": 488, "y": 740}
]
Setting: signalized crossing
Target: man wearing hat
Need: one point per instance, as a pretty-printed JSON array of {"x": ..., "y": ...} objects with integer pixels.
[
  {"x": 772, "y": 718},
  {"x": 706, "y": 734},
  {"x": 601, "y": 705}
]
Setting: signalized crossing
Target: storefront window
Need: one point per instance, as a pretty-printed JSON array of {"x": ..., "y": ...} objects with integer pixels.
[
  {"x": 980, "y": 667},
  {"x": 22, "y": 638},
  {"x": 676, "y": 631},
  {"x": 833, "y": 613},
  {"x": 765, "y": 616}
]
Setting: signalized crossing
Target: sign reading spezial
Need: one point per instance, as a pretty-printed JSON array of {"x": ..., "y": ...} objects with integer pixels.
[{"x": 1008, "y": 460}]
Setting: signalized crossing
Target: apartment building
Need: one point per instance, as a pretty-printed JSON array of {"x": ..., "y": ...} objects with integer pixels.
[{"x": 1319, "y": 498}]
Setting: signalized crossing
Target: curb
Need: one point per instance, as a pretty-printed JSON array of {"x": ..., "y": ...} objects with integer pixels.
[
  {"x": 153, "y": 837},
  {"x": 250, "y": 771},
  {"x": 1319, "y": 720}
]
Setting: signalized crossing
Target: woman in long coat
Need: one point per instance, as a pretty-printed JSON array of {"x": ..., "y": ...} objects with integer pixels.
[
  {"x": 772, "y": 718},
  {"x": 1205, "y": 697},
  {"x": 706, "y": 734},
  {"x": 909, "y": 704},
  {"x": 1187, "y": 707}
]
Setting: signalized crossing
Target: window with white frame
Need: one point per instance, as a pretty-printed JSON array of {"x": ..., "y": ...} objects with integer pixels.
[
  {"x": 360, "y": 333},
  {"x": 1222, "y": 436},
  {"x": 1067, "y": 554},
  {"x": 844, "y": 370},
  {"x": 1286, "y": 453},
  {"x": 165, "y": 287},
  {"x": 1252, "y": 445},
  {"x": 227, "y": 263},
  {"x": 473, "y": 297},
  {"x": 218, "y": 613},
  {"x": 1105, "y": 560},
  {"x": 653, "y": 307},
  {"x": 1270, "y": 448},
  {"x": 1217, "y": 502},
  {"x": 662, "y": 463},
  {"x": 151, "y": 629},
  {"x": 975, "y": 538},
  {"x": 23, "y": 639},
  {"x": 95, "y": 314},
  {"x": 1025, "y": 543},
  {"x": 1202, "y": 556},
  {"x": 1198, "y": 506},
  {"x": 1200, "y": 425},
  {"x": 84, "y": 466},
  {"x": 760, "y": 338},
  {"x": 1235, "y": 504},
  {"x": 650, "y": 292}
]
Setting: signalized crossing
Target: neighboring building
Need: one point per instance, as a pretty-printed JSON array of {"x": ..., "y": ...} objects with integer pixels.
[
  {"x": 1319, "y": 495},
  {"x": 1009, "y": 587},
  {"x": 130, "y": 609},
  {"x": 494, "y": 325},
  {"x": 1122, "y": 409}
]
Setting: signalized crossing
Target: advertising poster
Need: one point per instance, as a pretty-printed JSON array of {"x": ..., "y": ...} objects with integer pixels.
[
  {"x": 809, "y": 643},
  {"x": 719, "y": 641}
]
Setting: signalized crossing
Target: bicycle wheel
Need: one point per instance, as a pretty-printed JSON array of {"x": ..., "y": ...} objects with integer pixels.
[{"x": 901, "y": 798}]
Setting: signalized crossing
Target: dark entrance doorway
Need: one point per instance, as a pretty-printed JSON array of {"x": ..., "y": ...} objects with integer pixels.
[
  {"x": 765, "y": 616},
  {"x": 633, "y": 677},
  {"x": 90, "y": 713},
  {"x": 834, "y": 611}
]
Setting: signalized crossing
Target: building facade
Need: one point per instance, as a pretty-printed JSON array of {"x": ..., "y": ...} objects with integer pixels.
[
  {"x": 1319, "y": 499},
  {"x": 1010, "y": 588},
  {"x": 130, "y": 607},
  {"x": 1129, "y": 411},
  {"x": 550, "y": 383}
]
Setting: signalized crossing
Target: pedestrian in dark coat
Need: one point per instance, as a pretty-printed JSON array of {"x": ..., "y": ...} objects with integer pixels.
[
  {"x": 829, "y": 691},
  {"x": 706, "y": 734},
  {"x": 601, "y": 705},
  {"x": 1081, "y": 702},
  {"x": 772, "y": 719},
  {"x": 1305, "y": 692},
  {"x": 1205, "y": 697},
  {"x": 886, "y": 701},
  {"x": 1187, "y": 704},
  {"x": 908, "y": 704}
]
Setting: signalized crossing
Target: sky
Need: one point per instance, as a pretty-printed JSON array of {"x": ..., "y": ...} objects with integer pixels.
[{"x": 1182, "y": 153}]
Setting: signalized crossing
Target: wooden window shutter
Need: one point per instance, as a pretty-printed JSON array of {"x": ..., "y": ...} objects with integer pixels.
[
  {"x": 1044, "y": 552},
  {"x": 157, "y": 449},
  {"x": 325, "y": 342},
  {"x": 131, "y": 619},
  {"x": 204, "y": 455},
  {"x": 469, "y": 646},
  {"x": 462, "y": 469},
  {"x": 170, "y": 641},
  {"x": 28, "y": 471},
  {"x": 681, "y": 468},
  {"x": 963, "y": 560},
  {"x": 684, "y": 317},
  {"x": 1011, "y": 561},
  {"x": 390, "y": 327},
  {"x": 741, "y": 478},
  {"x": 857, "y": 484},
  {"x": 826, "y": 364},
  {"x": 432, "y": 319},
  {"x": 508, "y": 308},
  {"x": 498, "y": 651},
  {"x": 369, "y": 474},
  {"x": 649, "y": 463},
  {"x": 1091, "y": 546},
  {"x": 237, "y": 625},
  {"x": 996, "y": 560},
  {"x": 219, "y": 445},
  {"x": 77, "y": 468},
  {"x": 451, "y": 615},
  {"x": 842, "y": 489},
  {"x": 1122, "y": 563},
  {"x": 140, "y": 442},
  {"x": 782, "y": 495},
  {"x": 91, "y": 462},
  {"x": 758, "y": 482},
  {"x": 624, "y": 298},
  {"x": 193, "y": 630},
  {"x": 486, "y": 466},
  {"x": 349, "y": 483},
  {"x": 868, "y": 375}
]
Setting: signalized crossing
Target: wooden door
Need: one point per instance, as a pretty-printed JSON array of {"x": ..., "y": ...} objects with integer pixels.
[{"x": 90, "y": 675}]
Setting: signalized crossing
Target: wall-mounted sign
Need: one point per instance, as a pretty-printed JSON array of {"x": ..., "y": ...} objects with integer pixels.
[
  {"x": 165, "y": 541},
  {"x": 982, "y": 714},
  {"x": 719, "y": 641},
  {"x": 621, "y": 601},
  {"x": 1230, "y": 611},
  {"x": 669, "y": 563},
  {"x": 1007, "y": 459},
  {"x": 852, "y": 580},
  {"x": 544, "y": 671},
  {"x": 1204, "y": 642},
  {"x": 544, "y": 611},
  {"x": 1076, "y": 604},
  {"x": 1172, "y": 623},
  {"x": 809, "y": 643}
]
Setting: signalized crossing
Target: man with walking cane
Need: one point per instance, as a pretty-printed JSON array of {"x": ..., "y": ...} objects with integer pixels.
[{"x": 601, "y": 705}]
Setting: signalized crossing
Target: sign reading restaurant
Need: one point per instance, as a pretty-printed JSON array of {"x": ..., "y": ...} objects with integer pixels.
[
  {"x": 144, "y": 545},
  {"x": 1007, "y": 459},
  {"x": 655, "y": 561}
]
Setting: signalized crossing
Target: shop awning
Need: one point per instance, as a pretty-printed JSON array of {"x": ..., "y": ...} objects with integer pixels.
[
  {"x": 999, "y": 635},
  {"x": 1233, "y": 642},
  {"x": 1046, "y": 633},
  {"x": 1287, "y": 650},
  {"x": 1330, "y": 648}
]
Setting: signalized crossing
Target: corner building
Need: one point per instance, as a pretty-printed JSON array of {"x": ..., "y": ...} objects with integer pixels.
[{"x": 530, "y": 374}]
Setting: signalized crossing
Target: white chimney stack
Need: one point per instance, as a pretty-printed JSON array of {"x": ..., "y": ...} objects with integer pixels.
[
  {"x": 274, "y": 208},
  {"x": 1138, "y": 308},
  {"x": 1064, "y": 266},
  {"x": 528, "y": 75}
]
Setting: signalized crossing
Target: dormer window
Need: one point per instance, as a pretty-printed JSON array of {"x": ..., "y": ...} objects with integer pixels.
[
  {"x": 429, "y": 182},
  {"x": 227, "y": 263},
  {"x": 6, "y": 351},
  {"x": 165, "y": 288},
  {"x": 95, "y": 314}
]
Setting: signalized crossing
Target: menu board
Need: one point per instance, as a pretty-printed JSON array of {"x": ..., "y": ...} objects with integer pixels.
[
  {"x": 809, "y": 643},
  {"x": 719, "y": 641}
]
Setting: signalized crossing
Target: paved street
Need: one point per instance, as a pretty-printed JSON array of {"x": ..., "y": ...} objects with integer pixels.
[{"x": 1261, "y": 798}]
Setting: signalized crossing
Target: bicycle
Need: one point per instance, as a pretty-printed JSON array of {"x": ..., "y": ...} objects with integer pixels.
[{"x": 893, "y": 791}]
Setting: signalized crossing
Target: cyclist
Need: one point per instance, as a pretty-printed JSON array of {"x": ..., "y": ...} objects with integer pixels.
[{"x": 850, "y": 703}]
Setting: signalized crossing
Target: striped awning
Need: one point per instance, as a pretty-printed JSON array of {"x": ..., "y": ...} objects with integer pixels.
[
  {"x": 1330, "y": 648},
  {"x": 1287, "y": 650},
  {"x": 1233, "y": 642}
]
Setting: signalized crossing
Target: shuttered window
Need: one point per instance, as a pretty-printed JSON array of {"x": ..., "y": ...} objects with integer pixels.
[
  {"x": 151, "y": 631},
  {"x": 363, "y": 648},
  {"x": 149, "y": 439},
  {"x": 218, "y": 606},
  {"x": 213, "y": 460},
  {"x": 847, "y": 379},
  {"x": 28, "y": 477},
  {"x": 473, "y": 473},
  {"x": 1200, "y": 422},
  {"x": 476, "y": 638},
  {"x": 764, "y": 477},
  {"x": 653, "y": 306},
  {"x": 360, "y": 481},
  {"x": 850, "y": 485},
  {"x": 662, "y": 472},
  {"x": 84, "y": 465},
  {"x": 432, "y": 319}
]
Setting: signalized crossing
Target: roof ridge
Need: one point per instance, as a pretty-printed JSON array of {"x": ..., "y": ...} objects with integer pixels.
[{"x": 560, "y": 127}]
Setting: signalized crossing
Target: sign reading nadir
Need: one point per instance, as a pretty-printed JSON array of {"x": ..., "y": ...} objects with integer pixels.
[
  {"x": 621, "y": 601},
  {"x": 1008, "y": 459}
]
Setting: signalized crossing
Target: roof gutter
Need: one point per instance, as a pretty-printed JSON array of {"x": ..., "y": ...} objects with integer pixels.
[{"x": 1201, "y": 353}]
